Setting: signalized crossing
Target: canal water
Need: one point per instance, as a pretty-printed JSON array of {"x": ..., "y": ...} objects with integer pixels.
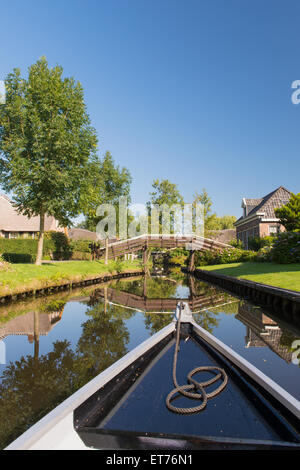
[{"x": 51, "y": 346}]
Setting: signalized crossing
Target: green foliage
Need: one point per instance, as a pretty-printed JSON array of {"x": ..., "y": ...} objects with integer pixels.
[
  {"x": 56, "y": 246},
  {"x": 165, "y": 192},
  {"x": 264, "y": 254},
  {"x": 178, "y": 256},
  {"x": 236, "y": 243},
  {"x": 286, "y": 248},
  {"x": 21, "y": 250},
  {"x": 211, "y": 220},
  {"x": 107, "y": 182},
  {"x": 289, "y": 214},
  {"x": 229, "y": 255},
  {"x": 4, "y": 265},
  {"x": 47, "y": 144},
  {"x": 256, "y": 243}
]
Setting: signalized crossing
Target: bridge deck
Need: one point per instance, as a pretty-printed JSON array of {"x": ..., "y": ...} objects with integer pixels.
[{"x": 165, "y": 241}]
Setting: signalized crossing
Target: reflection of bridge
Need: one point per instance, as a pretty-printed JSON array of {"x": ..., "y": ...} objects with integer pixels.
[
  {"x": 166, "y": 241},
  {"x": 262, "y": 331},
  {"x": 146, "y": 304}
]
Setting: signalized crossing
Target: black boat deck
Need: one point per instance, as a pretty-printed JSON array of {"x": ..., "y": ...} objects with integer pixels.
[{"x": 238, "y": 415}]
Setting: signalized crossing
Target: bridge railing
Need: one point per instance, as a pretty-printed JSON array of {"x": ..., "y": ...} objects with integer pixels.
[{"x": 167, "y": 241}]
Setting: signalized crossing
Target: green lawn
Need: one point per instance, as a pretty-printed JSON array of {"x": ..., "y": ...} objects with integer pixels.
[
  {"x": 286, "y": 276},
  {"x": 23, "y": 277}
]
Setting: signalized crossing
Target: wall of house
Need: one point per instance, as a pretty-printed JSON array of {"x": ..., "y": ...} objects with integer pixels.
[
  {"x": 248, "y": 230},
  {"x": 265, "y": 231}
]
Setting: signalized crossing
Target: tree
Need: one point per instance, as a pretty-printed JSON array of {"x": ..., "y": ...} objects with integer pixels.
[
  {"x": 106, "y": 184},
  {"x": 47, "y": 145},
  {"x": 226, "y": 221},
  {"x": 289, "y": 215},
  {"x": 210, "y": 219},
  {"x": 165, "y": 194}
]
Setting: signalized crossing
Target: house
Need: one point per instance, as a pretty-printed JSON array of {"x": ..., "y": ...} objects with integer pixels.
[
  {"x": 15, "y": 225},
  {"x": 258, "y": 219},
  {"x": 82, "y": 234}
]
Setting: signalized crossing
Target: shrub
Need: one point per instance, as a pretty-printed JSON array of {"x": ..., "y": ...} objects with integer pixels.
[
  {"x": 264, "y": 254},
  {"x": 4, "y": 265},
  {"x": 56, "y": 246},
  {"x": 178, "y": 256},
  {"x": 256, "y": 243},
  {"x": 229, "y": 255},
  {"x": 236, "y": 243},
  {"x": 286, "y": 248}
]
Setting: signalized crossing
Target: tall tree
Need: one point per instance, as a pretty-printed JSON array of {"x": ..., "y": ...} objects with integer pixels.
[
  {"x": 167, "y": 194},
  {"x": 47, "y": 145},
  {"x": 106, "y": 184},
  {"x": 289, "y": 214},
  {"x": 209, "y": 217}
]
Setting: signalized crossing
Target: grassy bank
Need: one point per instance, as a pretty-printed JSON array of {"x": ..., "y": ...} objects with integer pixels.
[
  {"x": 286, "y": 276},
  {"x": 23, "y": 277}
]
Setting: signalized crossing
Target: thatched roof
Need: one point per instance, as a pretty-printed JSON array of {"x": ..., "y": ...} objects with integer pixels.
[{"x": 12, "y": 221}]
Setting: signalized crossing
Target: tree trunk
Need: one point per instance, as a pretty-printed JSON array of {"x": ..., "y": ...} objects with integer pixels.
[{"x": 39, "y": 255}]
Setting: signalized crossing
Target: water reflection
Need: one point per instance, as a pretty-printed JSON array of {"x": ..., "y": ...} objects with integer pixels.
[
  {"x": 58, "y": 343},
  {"x": 262, "y": 331}
]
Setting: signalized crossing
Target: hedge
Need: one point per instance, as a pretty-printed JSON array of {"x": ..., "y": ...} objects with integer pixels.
[{"x": 56, "y": 246}]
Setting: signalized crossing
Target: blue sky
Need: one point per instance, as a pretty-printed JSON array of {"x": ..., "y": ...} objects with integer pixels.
[{"x": 196, "y": 91}]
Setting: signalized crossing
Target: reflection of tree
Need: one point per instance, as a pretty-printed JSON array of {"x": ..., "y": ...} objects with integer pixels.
[
  {"x": 160, "y": 288},
  {"x": 104, "y": 337},
  {"x": 132, "y": 287},
  {"x": 202, "y": 288},
  {"x": 32, "y": 386},
  {"x": 208, "y": 320},
  {"x": 155, "y": 322},
  {"x": 152, "y": 288}
]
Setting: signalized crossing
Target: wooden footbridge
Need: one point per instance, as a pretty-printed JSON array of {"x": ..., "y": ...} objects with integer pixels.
[{"x": 165, "y": 241}]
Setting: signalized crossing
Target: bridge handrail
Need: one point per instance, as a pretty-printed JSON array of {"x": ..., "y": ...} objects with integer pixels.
[{"x": 187, "y": 238}]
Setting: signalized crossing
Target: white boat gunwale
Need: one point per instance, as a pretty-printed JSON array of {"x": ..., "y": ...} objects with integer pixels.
[{"x": 47, "y": 425}]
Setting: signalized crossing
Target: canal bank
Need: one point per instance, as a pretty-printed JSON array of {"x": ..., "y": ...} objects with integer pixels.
[
  {"x": 25, "y": 281},
  {"x": 282, "y": 301}
]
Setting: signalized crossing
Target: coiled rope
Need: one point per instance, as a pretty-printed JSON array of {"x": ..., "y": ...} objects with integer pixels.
[{"x": 199, "y": 392}]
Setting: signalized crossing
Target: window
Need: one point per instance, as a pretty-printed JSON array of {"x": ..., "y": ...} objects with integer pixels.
[
  {"x": 273, "y": 229},
  {"x": 13, "y": 235}
]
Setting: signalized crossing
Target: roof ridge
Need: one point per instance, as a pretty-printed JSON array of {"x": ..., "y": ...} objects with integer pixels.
[{"x": 5, "y": 197}]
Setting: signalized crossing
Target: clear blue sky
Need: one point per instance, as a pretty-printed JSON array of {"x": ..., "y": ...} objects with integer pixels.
[{"x": 196, "y": 91}]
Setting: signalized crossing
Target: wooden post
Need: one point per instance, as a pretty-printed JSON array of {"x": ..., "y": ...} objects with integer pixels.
[
  {"x": 106, "y": 250},
  {"x": 191, "y": 266},
  {"x": 105, "y": 300}
]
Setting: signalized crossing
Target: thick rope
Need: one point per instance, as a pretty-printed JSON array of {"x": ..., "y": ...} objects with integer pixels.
[{"x": 198, "y": 388}]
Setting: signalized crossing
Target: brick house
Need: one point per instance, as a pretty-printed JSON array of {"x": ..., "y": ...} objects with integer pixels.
[
  {"x": 258, "y": 219},
  {"x": 15, "y": 225}
]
